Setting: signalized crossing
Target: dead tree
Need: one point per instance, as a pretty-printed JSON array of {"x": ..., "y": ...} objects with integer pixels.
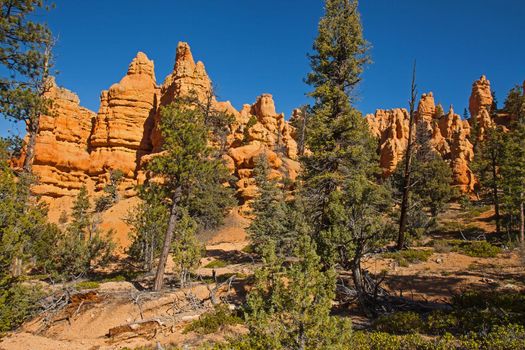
[{"x": 408, "y": 166}]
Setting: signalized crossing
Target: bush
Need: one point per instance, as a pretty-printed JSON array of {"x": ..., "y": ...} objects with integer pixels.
[
  {"x": 476, "y": 249},
  {"x": 399, "y": 323},
  {"x": 87, "y": 285},
  {"x": 409, "y": 256},
  {"x": 216, "y": 264},
  {"x": 212, "y": 322},
  {"x": 18, "y": 302}
]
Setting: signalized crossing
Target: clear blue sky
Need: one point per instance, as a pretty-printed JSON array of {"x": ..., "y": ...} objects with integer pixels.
[{"x": 250, "y": 47}]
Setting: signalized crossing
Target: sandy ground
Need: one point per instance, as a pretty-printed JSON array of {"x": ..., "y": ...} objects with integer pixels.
[{"x": 86, "y": 325}]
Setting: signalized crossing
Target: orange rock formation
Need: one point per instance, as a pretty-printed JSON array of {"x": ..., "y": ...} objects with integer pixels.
[
  {"x": 449, "y": 137},
  {"x": 77, "y": 147}
]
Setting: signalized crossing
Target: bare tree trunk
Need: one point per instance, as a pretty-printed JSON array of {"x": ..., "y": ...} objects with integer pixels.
[
  {"x": 302, "y": 139},
  {"x": 408, "y": 167},
  {"x": 33, "y": 123},
  {"x": 159, "y": 276},
  {"x": 495, "y": 195},
  {"x": 522, "y": 220}
]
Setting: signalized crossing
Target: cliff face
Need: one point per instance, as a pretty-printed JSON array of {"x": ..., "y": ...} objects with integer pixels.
[
  {"x": 448, "y": 136},
  {"x": 77, "y": 147}
]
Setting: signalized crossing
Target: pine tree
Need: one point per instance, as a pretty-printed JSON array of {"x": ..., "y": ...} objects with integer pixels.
[
  {"x": 439, "y": 111},
  {"x": 26, "y": 54},
  {"x": 111, "y": 195},
  {"x": 83, "y": 246},
  {"x": 192, "y": 178},
  {"x": 488, "y": 159},
  {"x": 148, "y": 221},
  {"x": 23, "y": 222},
  {"x": 186, "y": 250},
  {"x": 345, "y": 204},
  {"x": 271, "y": 213},
  {"x": 513, "y": 167},
  {"x": 289, "y": 307}
]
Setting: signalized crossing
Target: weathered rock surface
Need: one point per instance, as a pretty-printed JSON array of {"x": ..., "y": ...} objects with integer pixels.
[
  {"x": 61, "y": 157},
  {"x": 122, "y": 129},
  {"x": 77, "y": 147},
  {"x": 448, "y": 136},
  {"x": 480, "y": 104}
]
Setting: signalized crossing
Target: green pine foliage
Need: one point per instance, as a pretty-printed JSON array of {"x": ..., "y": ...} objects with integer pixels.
[
  {"x": 431, "y": 185},
  {"x": 193, "y": 182},
  {"x": 23, "y": 53},
  {"x": 83, "y": 246},
  {"x": 289, "y": 307},
  {"x": 148, "y": 222},
  {"x": 111, "y": 195},
  {"x": 513, "y": 167},
  {"x": 22, "y": 223},
  {"x": 275, "y": 221},
  {"x": 186, "y": 165},
  {"x": 345, "y": 203},
  {"x": 186, "y": 250}
]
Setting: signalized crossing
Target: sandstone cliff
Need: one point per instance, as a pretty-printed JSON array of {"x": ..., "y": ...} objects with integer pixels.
[
  {"x": 448, "y": 136},
  {"x": 77, "y": 147}
]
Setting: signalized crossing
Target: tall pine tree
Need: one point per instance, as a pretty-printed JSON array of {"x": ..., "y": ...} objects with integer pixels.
[
  {"x": 343, "y": 200},
  {"x": 25, "y": 51},
  {"x": 193, "y": 179}
]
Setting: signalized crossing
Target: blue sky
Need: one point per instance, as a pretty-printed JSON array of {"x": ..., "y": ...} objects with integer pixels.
[{"x": 251, "y": 47}]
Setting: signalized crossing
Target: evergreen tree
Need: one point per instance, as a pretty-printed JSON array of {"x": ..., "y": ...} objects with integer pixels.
[
  {"x": 111, "y": 195},
  {"x": 148, "y": 221},
  {"x": 271, "y": 223},
  {"x": 289, "y": 307},
  {"x": 186, "y": 250},
  {"x": 26, "y": 54},
  {"x": 193, "y": 179},
  {"x": 513, "y": 167},
  {"x": 83, "y": 246},
  {"x": 488, "y": 159},
  {"x": 439, "y": 111},
  {"x": 345, "y": 204},
  {"x": 22, "y": 224},
  {"x": 431, "y": 184}
]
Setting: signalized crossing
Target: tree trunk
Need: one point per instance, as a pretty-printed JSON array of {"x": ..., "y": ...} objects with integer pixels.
[
  {"x": 33, "y": 123},
  {"x": 408, "y": 168},
  {"x": 495, "y": 196},
  {"x": 159, "y": 276},
  {"x": 32, "y": 129},
  {"x": 357, "y": 276},
  {"x": 522, "y": 220},
  {"x": 302, "y": 139}
]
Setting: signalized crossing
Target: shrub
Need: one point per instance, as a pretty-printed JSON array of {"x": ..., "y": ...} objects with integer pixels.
[
  {"x": 478, "y": 249},
  {"x": 216, "y": 264},
  {"x": 409, "y": 256},
  {"x": 399, "y": 323},
  {"x": 87, "y": 285},
  {"x": 214, "y": 321},
  {"x": 17, "y": 303}
]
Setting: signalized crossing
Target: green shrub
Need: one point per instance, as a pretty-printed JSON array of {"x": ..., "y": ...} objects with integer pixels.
[
  {"x": 87, "y": 285},
  {"x": 399, "y": 323},
  {"x": 214, "y": 321},
  {"x": 478, "y": 249},
  {"x": 18, "y": 302},
  {"x": 216, "y": 264},
  {"x": 409, "y": 256}
]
